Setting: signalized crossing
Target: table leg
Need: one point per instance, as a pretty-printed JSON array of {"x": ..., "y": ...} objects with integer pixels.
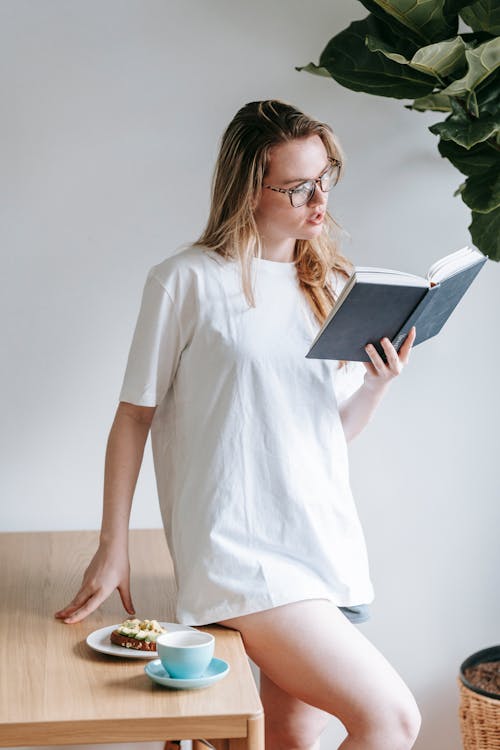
[
  {"x": 255, "y": 737},
  {"x": 253, "y": 741}
]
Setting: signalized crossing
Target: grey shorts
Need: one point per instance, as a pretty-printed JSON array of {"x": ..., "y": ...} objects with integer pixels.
[{"x": 357, "y": 613}]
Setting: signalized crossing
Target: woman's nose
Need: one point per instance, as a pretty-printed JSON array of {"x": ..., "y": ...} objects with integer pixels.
[{"x": 318, "y": 198}]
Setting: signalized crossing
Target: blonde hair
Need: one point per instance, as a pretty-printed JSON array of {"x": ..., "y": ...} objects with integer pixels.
[{"x": 237, "y": 182}]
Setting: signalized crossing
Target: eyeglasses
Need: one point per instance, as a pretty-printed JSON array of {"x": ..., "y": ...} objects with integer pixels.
[{"x": 303, "y": 193}]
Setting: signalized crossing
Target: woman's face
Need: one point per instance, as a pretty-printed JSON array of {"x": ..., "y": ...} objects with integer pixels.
[{"x": 289, "y": 165}]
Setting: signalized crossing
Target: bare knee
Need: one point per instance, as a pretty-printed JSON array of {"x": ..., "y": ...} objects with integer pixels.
[
  {"x": 394, "y": 726},
  {"x": 405, "y": 722}
]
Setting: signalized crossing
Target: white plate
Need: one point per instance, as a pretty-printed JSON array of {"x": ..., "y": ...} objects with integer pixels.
[
  {"x": 216, "y": 670},
  {"x": 99, "y": 641}
]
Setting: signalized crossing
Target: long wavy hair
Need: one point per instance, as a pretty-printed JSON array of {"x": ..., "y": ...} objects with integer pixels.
[{"x": 237, "y": 183}]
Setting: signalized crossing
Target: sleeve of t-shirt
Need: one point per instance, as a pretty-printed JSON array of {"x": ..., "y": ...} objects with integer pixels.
[
  {"x": 348, "y": 379},
  {"x": 156, "y": 347}
]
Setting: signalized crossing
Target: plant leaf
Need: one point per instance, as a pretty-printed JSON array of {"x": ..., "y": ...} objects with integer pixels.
[
  {"x": 427, "y": 20},
  {"x": 438, "y": 60},
  {"x": 483, "y": 15},
  {"x": 473, "y": 39},
  {"x": 435, "y": 102},
  {"x": 474, "y": 161},
  {"x": 350, "y": 62},
  {"x": 482, "y": 192},
  {"x": 454, "y": 6},
  {"x": 483, "y": 61},
  {"x": 466, "y": 132},
  {"x": 485, "y": 232},
  {"x": 316, "y": 70},
  {"x": 458, "y": 109},
  {"x": 488, "y": 94},
  {"x": 376, "y": 45}
]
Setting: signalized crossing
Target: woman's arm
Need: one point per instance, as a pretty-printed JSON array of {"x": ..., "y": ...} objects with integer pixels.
[
  {"x": 109, "y": 568},
  {"x": 358, "y": 409}
]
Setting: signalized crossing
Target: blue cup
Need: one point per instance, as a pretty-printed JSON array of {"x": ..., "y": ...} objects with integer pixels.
[{"x": 185, "y": 654}]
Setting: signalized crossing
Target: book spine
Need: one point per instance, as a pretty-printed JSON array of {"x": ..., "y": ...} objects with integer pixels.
[
  {"x": 436, "y": 307},
  {"x": 412, "y": 320}
]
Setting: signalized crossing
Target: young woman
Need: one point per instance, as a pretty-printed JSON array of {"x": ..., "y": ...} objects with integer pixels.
[{"x": 249, "y": 440}]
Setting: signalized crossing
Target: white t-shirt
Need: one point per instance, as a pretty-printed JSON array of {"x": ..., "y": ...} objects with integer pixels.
[{"x": 249, "y": 452}]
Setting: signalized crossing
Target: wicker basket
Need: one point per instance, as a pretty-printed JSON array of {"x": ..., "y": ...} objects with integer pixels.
[{"x": 479, "y": 710}]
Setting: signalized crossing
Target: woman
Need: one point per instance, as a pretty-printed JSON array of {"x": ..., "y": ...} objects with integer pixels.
[{"x": 249, "y": 440}]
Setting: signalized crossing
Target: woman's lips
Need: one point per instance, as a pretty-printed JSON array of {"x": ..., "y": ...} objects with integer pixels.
[{"x": 317, "y": 219}]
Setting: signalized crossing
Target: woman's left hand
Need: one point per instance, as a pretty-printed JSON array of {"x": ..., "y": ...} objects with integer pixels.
[{"x": 380, "y": 373}]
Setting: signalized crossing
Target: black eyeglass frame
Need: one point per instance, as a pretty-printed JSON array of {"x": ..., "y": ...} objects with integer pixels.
[{"x": 290, "y": 191}]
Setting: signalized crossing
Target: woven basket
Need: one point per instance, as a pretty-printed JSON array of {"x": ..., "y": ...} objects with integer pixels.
[{"x": 479, "y": 710}]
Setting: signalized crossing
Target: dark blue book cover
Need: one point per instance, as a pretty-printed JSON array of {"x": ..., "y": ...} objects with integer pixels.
[{"x": 371, "y": 311}]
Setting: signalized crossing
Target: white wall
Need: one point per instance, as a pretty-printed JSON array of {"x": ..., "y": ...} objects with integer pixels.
[{"x": 111, "y": 116}]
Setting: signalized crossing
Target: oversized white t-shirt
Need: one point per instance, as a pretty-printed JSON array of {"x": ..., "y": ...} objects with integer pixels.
[{"x": 249, "y": 452}]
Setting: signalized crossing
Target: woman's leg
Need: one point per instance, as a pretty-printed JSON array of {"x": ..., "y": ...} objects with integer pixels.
[
  {"x": 289, "y": 722},
  {"x": 311, "y": 652}
]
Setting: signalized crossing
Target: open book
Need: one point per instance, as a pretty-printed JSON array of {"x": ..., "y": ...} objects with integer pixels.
[{"x": 378, "y": 302}]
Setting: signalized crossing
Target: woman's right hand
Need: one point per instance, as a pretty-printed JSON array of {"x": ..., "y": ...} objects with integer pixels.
[{"x": 109, "y": 569}]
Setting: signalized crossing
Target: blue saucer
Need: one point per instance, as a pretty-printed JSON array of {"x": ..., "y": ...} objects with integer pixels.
[{"x": 216, "y": 670}]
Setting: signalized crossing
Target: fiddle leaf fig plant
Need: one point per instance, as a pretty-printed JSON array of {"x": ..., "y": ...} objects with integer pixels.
[{"x": 411, "y": 49}]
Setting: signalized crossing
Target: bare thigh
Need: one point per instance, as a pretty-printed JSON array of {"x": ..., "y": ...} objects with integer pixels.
[{"x": 312, "y": 652}]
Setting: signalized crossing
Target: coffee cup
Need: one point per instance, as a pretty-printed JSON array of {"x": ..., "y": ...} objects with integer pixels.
[{"x": 185, "y": 654}]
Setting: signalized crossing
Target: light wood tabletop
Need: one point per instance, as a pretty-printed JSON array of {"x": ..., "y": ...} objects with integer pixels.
[{"x": 54, "y": 689}]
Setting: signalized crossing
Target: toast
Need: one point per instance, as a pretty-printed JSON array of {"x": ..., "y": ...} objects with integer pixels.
[{"x": 138, "y": 634}]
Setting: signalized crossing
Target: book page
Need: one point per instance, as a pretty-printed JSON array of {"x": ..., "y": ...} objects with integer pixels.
[
  {"x": 369, "y": 275},
  {"x": 450, "y": 264}
]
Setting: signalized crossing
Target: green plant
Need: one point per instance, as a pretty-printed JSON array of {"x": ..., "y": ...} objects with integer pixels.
[{"x": 411, "y": 49}]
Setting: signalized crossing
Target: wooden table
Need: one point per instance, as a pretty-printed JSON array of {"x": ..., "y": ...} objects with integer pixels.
[{"x": 55, "y": 690}]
